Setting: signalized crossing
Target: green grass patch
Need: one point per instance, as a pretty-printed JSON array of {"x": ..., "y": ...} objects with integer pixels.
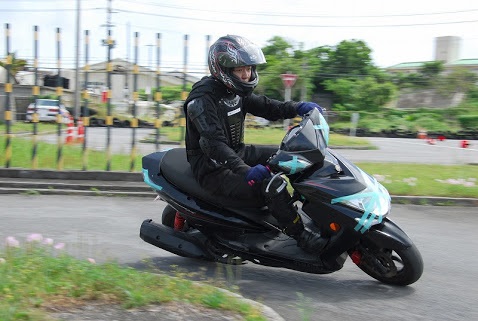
[
  {"x": 72, "y": 157},
  {"x": 39, "y": 275},
  {"x": 426, "y": 179},
  {"x": 20, "y": 127}
]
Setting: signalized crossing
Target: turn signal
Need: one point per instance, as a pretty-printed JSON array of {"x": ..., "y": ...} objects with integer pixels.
[{"x": 334, "y": 227}]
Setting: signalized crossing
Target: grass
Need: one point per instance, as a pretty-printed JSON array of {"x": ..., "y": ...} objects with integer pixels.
[
  {"x": 426, "y": 179},
  {"x": 38, "y": 275}
]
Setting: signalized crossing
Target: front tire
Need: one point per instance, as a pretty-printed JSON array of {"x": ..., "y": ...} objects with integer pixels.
[{"x": 391, "y": 266}]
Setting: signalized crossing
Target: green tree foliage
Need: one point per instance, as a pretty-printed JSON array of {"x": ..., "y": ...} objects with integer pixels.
[
  {"x": 282, "y": 58},
  {"x": 459, "y": 80},
  {"x": 348, "y": 58},
  {"x": 361, "y": 93},
  {"x": 429, "y": 73},
  {"x": 16, "y": 65}
]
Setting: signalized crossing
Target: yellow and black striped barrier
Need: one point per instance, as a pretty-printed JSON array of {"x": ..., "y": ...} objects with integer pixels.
[{"x": 8, "y": 93}]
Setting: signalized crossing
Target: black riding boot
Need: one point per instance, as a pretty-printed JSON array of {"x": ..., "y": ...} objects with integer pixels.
[{"x": 279, "y": 203}]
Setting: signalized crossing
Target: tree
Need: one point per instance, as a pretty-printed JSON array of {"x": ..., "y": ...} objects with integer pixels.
[
  {"x": 15, "y": 66},
  {"x": 282, "y": 58},
  {"x": 459, "y": 79},
  {"x": 360, "y": 93},
  {"x": 430, "y": 72},
  {"x": 349, "y": 59}
]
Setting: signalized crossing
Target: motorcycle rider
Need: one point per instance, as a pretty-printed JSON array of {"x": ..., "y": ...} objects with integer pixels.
[{"x": 215, "y": 117}]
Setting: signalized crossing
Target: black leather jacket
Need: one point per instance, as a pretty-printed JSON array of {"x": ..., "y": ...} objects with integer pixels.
[{"x": 218, "y": 148}]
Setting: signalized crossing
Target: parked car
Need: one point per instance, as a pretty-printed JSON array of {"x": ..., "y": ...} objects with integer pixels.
[{"x": 47, "y": 110}]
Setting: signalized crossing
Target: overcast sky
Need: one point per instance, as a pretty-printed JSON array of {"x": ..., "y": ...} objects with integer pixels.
[{"x": 396, "y": 31}]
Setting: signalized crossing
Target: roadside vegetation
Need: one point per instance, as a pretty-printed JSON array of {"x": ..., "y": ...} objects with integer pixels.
[{"x": 37, "y": 275}]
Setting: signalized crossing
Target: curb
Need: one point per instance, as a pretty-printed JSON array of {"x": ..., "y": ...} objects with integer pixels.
[{"x": 71, "y": 175}]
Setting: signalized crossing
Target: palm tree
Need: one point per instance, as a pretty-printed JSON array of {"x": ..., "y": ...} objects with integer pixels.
[{"x": 16, "y": 66}]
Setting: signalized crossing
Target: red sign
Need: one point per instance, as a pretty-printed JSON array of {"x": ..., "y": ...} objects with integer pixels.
[{"x": 288, "y": 80}]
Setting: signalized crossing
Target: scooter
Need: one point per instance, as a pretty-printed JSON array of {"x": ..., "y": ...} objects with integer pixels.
[{"x": 334, "y": 196}]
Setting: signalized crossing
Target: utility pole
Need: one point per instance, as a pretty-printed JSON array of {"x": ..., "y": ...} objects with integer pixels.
[
  {"x": 110, "y": 44},
  {"x": 150, "y": 72},
  {"x": 128, "y": 49},
  {"x": 77, "y": 62}
]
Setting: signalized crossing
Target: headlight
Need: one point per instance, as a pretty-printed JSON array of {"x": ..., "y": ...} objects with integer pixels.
[{"x": 374, "y": 201}]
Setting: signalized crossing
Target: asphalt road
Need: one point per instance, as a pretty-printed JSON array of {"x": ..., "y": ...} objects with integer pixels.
[{"x": 107, "y": 228}]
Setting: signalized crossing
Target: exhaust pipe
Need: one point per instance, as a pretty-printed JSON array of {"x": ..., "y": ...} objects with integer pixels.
[{"x": 170, "y": 240}]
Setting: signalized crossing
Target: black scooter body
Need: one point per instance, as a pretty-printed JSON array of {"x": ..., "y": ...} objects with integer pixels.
[
  {"x": 236, "y": 229},
  {"x": 347, "y": 205}
]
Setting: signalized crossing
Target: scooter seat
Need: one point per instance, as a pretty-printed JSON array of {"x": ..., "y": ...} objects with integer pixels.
[{"x": 176, "y": 169}]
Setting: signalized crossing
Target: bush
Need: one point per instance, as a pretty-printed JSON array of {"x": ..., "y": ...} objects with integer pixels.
[{"x": 468, "y": 121}]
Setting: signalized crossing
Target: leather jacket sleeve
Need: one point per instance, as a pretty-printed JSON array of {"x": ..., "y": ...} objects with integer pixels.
[{"x": 270, "y": 109}]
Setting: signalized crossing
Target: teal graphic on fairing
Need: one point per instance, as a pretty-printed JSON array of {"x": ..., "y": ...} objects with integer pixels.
[
  {"x": 148, "y": 180},
  {"x": 324, "y": 127},
  {"x": 295, "y": 165},
  {"x": 374, "y": 201},
  {"x": 310, "y": 136}
]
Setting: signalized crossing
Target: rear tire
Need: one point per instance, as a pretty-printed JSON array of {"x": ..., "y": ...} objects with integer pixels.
[
  {"x": 392, "y": 266},
  {"x": 168, "y": 216}
]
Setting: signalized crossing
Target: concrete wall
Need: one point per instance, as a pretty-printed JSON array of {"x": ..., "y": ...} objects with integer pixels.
[{"x": 427, "y": 98}]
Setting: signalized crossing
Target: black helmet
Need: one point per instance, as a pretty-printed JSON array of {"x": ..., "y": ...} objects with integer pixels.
[{"x": 229, "y": 52}]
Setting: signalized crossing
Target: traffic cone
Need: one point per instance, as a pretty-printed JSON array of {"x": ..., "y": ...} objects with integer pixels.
[
  {"x": 464, "y": 144},
  {"x": 81, "y": 132},
  {"x": 422, "y": 134},
  {"x": 70, "y": 132}
]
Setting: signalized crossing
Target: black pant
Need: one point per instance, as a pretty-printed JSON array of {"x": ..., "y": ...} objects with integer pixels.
[{"x": 236, "y": 186}]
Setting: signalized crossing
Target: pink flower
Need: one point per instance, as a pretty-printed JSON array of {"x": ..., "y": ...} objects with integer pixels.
[
  {"x": 35, "y": 237},
  {"x": 12, "y": 242},
  {"x": 59, "y": 246},
  {"x": 92, "y": 261},
  {"x": 48, "y": 241}
]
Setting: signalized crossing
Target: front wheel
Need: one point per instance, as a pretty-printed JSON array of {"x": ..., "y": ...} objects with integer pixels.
[{"x": 392, "y": 266}]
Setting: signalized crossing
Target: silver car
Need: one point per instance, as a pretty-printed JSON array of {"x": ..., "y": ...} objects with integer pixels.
[{"x": 48, "y": 110}]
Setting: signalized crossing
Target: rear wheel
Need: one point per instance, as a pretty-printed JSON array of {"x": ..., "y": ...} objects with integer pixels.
[
  {"x": 169, "y": 214},
  {"x": 391, "y": 266}
]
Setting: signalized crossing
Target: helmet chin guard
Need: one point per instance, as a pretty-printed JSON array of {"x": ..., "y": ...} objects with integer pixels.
[{"x": 232, "y": 51}]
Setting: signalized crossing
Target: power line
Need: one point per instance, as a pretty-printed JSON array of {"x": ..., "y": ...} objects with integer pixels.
[
  {"x": 295, "y": 25},
  {"x": 49, "y": 10},
  {"x": 288, "y": 14}
]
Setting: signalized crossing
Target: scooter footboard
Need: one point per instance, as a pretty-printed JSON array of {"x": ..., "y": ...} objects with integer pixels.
[{"x": 175, "y": 242}]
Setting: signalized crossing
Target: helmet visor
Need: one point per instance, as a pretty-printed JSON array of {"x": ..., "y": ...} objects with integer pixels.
[{"x": 246, "y": 54}]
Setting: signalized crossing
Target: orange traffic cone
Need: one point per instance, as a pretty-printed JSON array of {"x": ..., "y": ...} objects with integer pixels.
[
  {"x": 70, "y": 132},
  {"x": 422, "y": 134},
  {"x": 81, "y": 132}
]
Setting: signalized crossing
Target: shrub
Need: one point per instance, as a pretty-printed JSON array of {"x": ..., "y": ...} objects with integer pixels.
[{"x": 468, "y": 121}]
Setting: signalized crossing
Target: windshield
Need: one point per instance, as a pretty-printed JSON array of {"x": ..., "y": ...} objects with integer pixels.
[
  {"x": 311, "y": 133},
  {"x": 45, "y": 102},
  {"x": 303, "y": 146}
]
